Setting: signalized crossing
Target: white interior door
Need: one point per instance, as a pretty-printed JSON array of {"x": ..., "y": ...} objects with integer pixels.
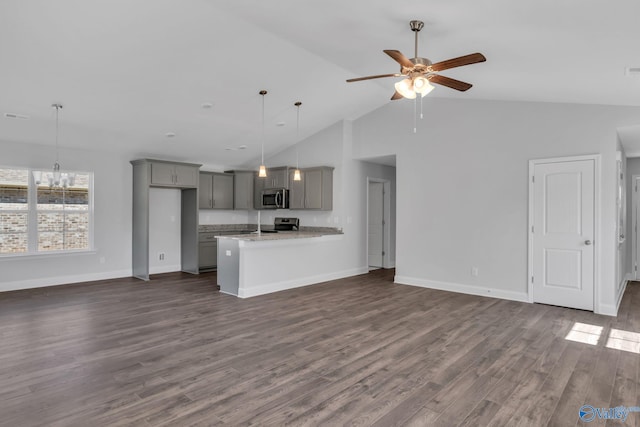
[
  {"x": 563, "y": 233},
  {"x": 376, "y": 224}
]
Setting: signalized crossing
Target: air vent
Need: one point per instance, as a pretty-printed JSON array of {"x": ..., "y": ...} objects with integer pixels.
[
  {"x": 632, "y": 71},
  {"x": 16, "y": 116}
]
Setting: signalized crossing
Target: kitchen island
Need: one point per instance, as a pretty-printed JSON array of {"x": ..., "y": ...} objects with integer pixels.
[{"x": 262, "y": 263}]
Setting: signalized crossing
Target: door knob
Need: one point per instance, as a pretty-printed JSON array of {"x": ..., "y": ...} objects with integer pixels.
[{"x": 587, "y": 242}]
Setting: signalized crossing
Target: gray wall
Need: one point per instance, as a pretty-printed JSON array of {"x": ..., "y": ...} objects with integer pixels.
[
  {"x": 112, "y": 220},
  {"x": 462, "y": 185}
]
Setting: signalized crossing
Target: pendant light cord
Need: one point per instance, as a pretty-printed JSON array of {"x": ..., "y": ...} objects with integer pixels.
[
  {"x": 57, "y": 107},
  {"x": 415, "y": 123},
  {"x": 297, "y": 104},
  {"x": 263, "y": 93}
]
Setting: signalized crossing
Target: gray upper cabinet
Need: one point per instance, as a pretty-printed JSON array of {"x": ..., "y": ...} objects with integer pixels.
[
  {"x": 243, "y": 190},
  {"x": 296, "y": 192},
  {"x": 205, "y": 191},
  {"x": 314, "y": 191},
  {"x": 276, "y": 178},
  {"x": 259, "y": 184},
  {"x": 168, "y": 174},
  {"x": 215, "y": 191}
]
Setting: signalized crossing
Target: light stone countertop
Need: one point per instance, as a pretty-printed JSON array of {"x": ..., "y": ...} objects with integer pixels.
[{"x": 280, "y": 235}]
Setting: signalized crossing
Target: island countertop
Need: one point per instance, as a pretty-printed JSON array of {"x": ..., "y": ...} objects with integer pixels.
[{"x": 281, "y": 235}]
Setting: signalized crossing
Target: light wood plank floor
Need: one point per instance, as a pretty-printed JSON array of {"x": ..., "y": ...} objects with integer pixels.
[{"x": 360, "y": 351}]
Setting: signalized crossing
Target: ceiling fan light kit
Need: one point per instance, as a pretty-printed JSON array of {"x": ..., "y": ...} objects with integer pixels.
[
  {"x": 420, "y": 72},
  {"x": 405, "y": 88}
]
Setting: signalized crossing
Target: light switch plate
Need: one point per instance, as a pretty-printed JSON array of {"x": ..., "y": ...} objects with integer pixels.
[{"x": 228, "y": 252}]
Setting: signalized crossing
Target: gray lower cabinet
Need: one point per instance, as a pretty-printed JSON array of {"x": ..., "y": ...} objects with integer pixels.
[
  {"x": 168, "y": 174},
  {"x": 207, "y": 251},
  {"x": 314, "y": 191},
  {"x": 243, "y": 190},
  {"x": 215, "y": 191}
]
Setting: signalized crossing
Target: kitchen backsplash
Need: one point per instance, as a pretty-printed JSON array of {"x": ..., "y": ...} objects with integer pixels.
[{"x": 224, "y": 217}]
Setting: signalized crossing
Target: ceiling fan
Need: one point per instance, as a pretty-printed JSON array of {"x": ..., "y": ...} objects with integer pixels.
[{"x": 421, "y": 72}]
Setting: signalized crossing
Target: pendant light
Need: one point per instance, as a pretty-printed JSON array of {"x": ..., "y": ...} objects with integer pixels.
[
  {"x": 56, "y": 178},
  {"x": 296, "y": 173},
  {"x": 262, "y": 173}
]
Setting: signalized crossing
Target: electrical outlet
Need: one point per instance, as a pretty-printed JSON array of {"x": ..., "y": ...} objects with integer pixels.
[
  {"x": 161, "y": 256},
  {"x": 474, "y": 271},
  {"x": 228, "y": 252}
]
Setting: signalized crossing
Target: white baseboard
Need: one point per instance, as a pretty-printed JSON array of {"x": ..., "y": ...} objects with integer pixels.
[
  {"x": 299, "y": 282},
  {"x": 612, "y": 310},
  {"x": 165, "y": 269},
  {"x": 62, "y": 280},
  {"x": 463, "y": 289}
]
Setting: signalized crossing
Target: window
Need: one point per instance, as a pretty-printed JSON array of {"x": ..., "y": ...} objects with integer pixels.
[{"x": 36, "y": 218}]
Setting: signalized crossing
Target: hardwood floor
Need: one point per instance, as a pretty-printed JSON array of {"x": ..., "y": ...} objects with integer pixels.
[{"x": 360, "y": 351}]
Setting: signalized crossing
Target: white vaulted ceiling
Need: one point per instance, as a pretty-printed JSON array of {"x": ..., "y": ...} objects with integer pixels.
[{"x": 130, "y": 71}]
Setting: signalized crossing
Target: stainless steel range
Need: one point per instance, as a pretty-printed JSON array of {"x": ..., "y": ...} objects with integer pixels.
[{"x": 284, "y": 224}]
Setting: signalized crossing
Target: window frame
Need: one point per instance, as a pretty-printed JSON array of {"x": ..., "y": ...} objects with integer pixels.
[{"x": 32, "y": 218}]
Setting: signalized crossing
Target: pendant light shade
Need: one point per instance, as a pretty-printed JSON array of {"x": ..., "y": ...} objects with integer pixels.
[
  {"x": 262, "y": 172},
  {"x": 296, "y": 173}
]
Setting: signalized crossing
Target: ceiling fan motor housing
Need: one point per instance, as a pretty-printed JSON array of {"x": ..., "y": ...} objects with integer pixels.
[
  {"x": 416, "y": 25},
  {"x": 421, "y": 66}
]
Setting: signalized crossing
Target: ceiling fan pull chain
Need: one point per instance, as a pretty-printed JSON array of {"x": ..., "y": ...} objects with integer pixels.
[
  {"x": 421, "y": 116},
  {"x": 415, "y": 107}
]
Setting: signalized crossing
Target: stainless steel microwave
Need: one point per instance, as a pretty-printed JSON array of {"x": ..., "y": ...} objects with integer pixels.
[{"x": 275, "y": 198}]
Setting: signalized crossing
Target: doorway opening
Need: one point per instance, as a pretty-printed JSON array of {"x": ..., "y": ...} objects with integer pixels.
[{"x": 378, "y": 223}]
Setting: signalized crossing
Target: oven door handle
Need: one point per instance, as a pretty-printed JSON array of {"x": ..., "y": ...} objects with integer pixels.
[{"x": 277, "y": 203}]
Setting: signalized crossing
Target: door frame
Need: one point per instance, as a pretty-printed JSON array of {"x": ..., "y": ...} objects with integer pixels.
[
  {"x": 386, "y": 232},
  {"x": 634, "y": 226},
  {"x": 596, "y": 221}
]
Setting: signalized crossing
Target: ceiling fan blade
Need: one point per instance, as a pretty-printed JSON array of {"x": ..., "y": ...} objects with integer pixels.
[
  {"x": 399, "y": 58},
  {"x": 373, "y": 77},
  {"x": 396, "y": 96},
  {"x": 449, "y": 82},
  {"x": 458, "y": 62}
]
